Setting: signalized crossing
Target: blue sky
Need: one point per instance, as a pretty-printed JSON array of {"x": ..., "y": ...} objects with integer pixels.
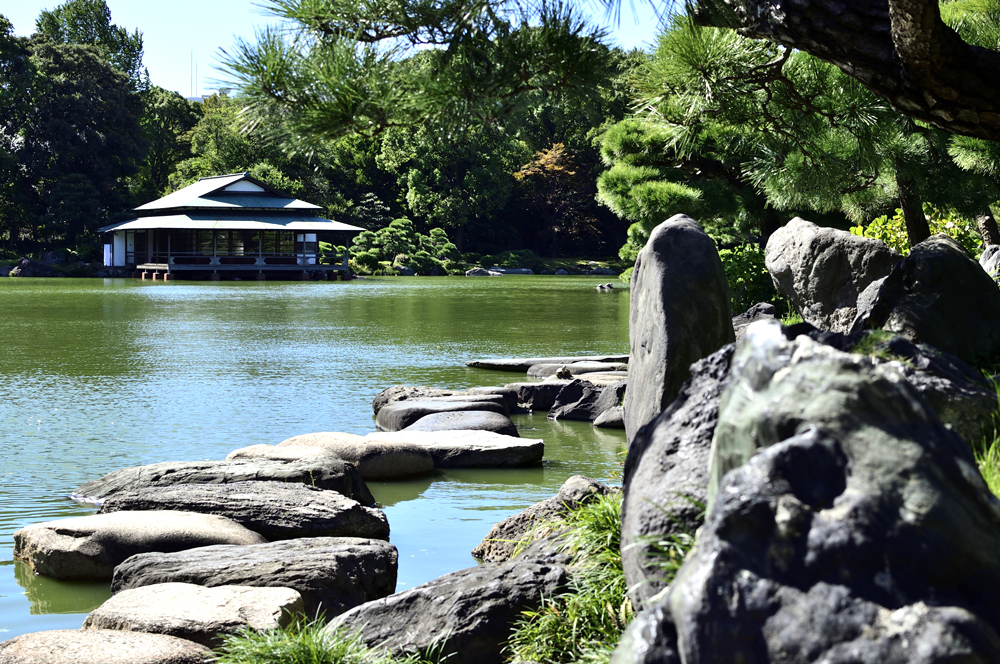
[{"x": 181, "y": 32}]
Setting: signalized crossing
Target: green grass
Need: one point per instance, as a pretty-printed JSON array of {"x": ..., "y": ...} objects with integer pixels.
[
  {"x": 791, "y": 318},
  {"x": 988, "y": 460},
  {"x": 304, "y": 642}
]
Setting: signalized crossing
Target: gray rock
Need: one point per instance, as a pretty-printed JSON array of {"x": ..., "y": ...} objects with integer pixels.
[
  {"x": 666, "y": 475},
  {"x": 332, "y": 574},
  {"x": 469, "y": 612},
  {"x": 89, "y": 547},
  {"x": 853, "y": 527},
  {"x": 323, "y": 472},
  {"x": 939, "y": 295},
  {"x": 469, "y": 420},
  {"x": 522, "y": 364},
  {"x": 408, "y": 393},
  {"x": 276, "y": 510},
  {"x": 477, "y": 272},
  {"x": 990, "y": 260},
  {"x": 561, "y": 272},
  {"x": 823, "y": 270},
  {"x": 759, "y": 311},
  {"x": 74, "y": 646},
  {"x": 29, "y": 268},
  {"x": 575, "y": 368},
  {"x": 401, "y": 414},
  {"x": 582, "y": 400},
  {"x": 613, "y": 418},
  {"x": 374, "y": 462},
  {"x": 509, "y": 395},
  {"x": 285, "y": 453},
  {"x": 196, "y": 613},
  {"x": 538, "y": 396},
  {"x": 502, "y": 541},
  {"x": 679, "y": 313},
  {"x": 469, "y": 449}
]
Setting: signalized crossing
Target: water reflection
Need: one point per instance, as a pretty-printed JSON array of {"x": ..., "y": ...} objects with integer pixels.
[{"x": 51, "y": 596}]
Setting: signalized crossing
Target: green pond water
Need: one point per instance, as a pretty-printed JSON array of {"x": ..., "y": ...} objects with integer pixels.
[{"x": 96, "y": 375}]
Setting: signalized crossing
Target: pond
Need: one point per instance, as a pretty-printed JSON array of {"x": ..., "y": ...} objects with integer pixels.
[{"x": 96, "y": 375}]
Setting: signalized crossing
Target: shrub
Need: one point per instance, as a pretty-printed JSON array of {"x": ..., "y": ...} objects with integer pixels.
[
  {"x": 749, "y": 280},
  {"x": 892, "y": 230}
]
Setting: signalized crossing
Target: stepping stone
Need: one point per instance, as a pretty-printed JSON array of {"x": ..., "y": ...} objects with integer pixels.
[
  {"x": 538, "y": 396},
  {"x": 276, "y": 510},
  {"x": 286, "y": 453},
  {"x": 469, "y": 449},
  {"x": 322, "y": 472},
  {"x": 89, "y": 547},
  {"x": 401, "y": 414},
  {"x": 523, "y": 364},
  {"x": 197, "y": 613},
  {"x": 509, "y": 395},
  {"x": 331, "y": 574},
  {"x": 374, "y": 462},
  {"x": 92, "y": 646},
  {"x": 469, "y": 420},
  {"x": 575, "y": 369}
]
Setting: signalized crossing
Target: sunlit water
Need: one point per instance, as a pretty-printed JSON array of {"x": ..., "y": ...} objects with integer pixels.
[{"x": 98, "y": 375}]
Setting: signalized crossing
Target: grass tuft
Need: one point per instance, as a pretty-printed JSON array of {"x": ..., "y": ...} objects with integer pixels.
[{"x": 988, "y": 460}]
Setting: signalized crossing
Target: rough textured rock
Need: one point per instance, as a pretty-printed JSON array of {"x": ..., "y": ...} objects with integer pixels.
[
  {"x": 939, "y": 295},
  {"x": 323, "y": 472},
  {"x": 470, "y": 611},
  {"x": 469, "y": 420},
  {"x": 582, "y": 400},
  {"x": 990, "y": 260},
  {"x": 759, "y": 311},
  {"x": 679, "y": 313},
  {"x": 283, "y": 453},
  {"x": 197, "y": 613},
  {"x": 859, "y": 532},
  {"x": 575, "y": 368},
  {"x": 276, "y": 510},
  {"x": 401, "y": 414},
  {"x": 332, "y": 574},
  {"x": 538, "y": 396},
  {"x": 74, "y": 646},
  {"x": 469, "y": 449},
  {"x": 29, "y": 268},
  {"x": 613, "y": 418},
  {"x": 89, "y": 547},
  {"x": 499, "y": 545},
  {"x": 408, "y": 393},
  {"x": 522, "y": 364},
  {"x": 823, "y": 270},
  {"x": 374, "y": 462},
  {"x": 509, "y": 395},
  {"x": 666, "y": 474}
]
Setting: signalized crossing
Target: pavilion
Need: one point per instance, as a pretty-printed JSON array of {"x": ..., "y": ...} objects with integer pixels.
[{"x": 232, "y": 225}]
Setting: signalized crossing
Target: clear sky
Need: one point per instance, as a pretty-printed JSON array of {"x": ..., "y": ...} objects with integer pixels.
[{"x": 180, "y": 36}]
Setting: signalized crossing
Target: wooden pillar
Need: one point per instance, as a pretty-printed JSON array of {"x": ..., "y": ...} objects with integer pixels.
[
  {"x": 261, "y": 277},
  {"x": 215, "y": 276}
]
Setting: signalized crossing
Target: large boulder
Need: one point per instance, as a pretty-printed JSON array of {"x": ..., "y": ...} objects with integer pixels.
[
  {"x": 196, "y": 613},
  {"x": 538, "y": 396},
  {"x": 469, "y": 449},
  {"x": 613, "y": 418},
  {"x": 276, "y": 510},
  {"x": 759, "y": 311},
  {"x": 666, "y": 475},
  {"x": 401, "y": 414},
  {"x": 849, "y": 525},
  {"x": 469, "y": 420},
  {"x": 939, "y": 295},
  {"x": 374, "y": 462},
  {"x": 503, "y": 539},
  {"x": 583, "y": 400},
  {"x": 822, "y": 271},
  {"x": 332, "y": 574},
  {"x": 465, "y": 616},
  {"x": 679, "y": 313},
  {"x": 322, "y": 472},
  {"x": 408, "y": 393},
  {"x": 74, "y": 646},
  {"x": 89, "y": 547}
]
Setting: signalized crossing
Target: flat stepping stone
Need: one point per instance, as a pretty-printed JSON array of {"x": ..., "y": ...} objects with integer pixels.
[
  {"x": 276, "y": 510},
  {"x": 469, "y": 449},
  {"x": 604, "y": 377},
  {"x": 89, "y": 547},
  {"x": 197, "y": 613},
  {"x": 509, "y": 395},
  {"x": 374, "y": 462},
  {"x": 286, "y": 453},
  {"x": 524, "y": 363},
  {"x": 92, "y": 646},
  {"x": 323, "y": 472},
  {"x": 401, "y": 414},
  {"x": 408, "y": 393},
  {"x": 332, "y": 574},
  {"x": 575, "y": 369},
  {"x": 538, "y": 396},
  {"x": 469, "y": 420}
]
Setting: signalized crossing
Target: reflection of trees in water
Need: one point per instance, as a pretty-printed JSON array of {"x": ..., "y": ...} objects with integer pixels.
[{"x": 50, "y": 596}]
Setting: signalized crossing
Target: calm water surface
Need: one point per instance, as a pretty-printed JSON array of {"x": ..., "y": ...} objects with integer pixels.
[{"x": 97, "y": 375}]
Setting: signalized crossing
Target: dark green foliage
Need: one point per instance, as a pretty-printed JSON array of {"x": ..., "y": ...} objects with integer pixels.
[
  {"x": 400, "y": 245},
  {"x": 749, "y": 280}
]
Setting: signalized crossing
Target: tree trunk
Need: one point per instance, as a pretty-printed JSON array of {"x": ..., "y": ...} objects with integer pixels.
[
  {"x": 988, "y": 228},
  {"x": 770, "y": 224},
  {"x": 917, "y": 229}
]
